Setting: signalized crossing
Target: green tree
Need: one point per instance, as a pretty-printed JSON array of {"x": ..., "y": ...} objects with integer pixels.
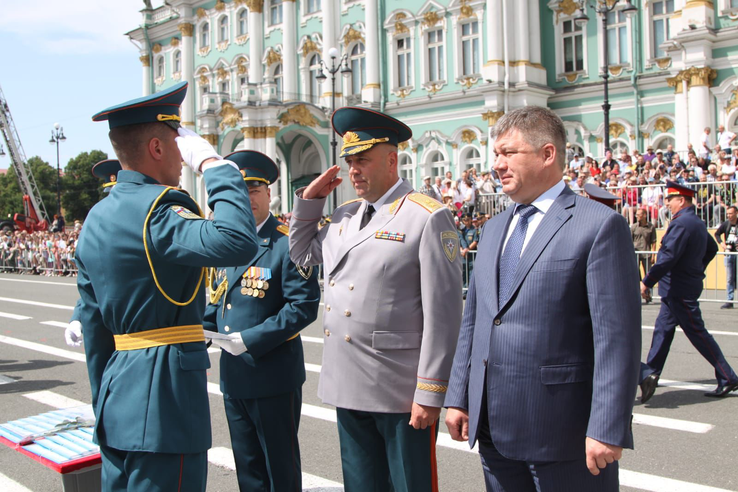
[
  {"x": 11, "y": 196},
  {"x": 80, "y": 189}
]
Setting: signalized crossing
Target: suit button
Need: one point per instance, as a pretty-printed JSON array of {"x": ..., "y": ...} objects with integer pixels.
[
  {"x": 332, "y": 283},
  {"x": 351, "y": 286},
  {"x": 227, "y": 328},
  {"x": 498, "y": 322},
  {"x": 327, "y": 307},
  {"x": 228, "y": 306},
  {"x": 327, "y": 333},
  {"x": 347, "y": 338},
  {"x": 347, "y": 313}
]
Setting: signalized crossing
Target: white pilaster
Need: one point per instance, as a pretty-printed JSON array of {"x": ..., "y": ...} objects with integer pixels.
[
  {"x": 330, "y": 10},
  {"x": 493, "y": 69},
  {"x": 146, "y": 74},
  {"x": 700, "y": 110},
  {"x": 289, "y": 53},
  {"x": 370, "y": 92},
  {"x": 188, "y": 72},
  {"x": 534, "y": 32},
  {"x": 681, "y": 126},
  {"x": 256, "y": 42}
]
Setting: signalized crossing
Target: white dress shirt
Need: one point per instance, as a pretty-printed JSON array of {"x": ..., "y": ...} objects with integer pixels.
[{"x": 543, "y": 204}]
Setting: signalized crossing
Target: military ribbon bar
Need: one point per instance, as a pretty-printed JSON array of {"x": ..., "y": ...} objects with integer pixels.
[{"x": 390, "y": 236}]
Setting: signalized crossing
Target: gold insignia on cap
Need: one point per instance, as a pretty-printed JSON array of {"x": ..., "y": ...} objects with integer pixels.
[
  {"x": 243, "y": 173},
  {"x": 350, "y": 137},
  {"x": 113, "y": 178},
  {"x": 450, "y": 243}
]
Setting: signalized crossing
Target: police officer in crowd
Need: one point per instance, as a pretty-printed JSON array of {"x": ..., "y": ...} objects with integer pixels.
[
  {"x": 106, "y": 170},
  {"x": 727, "y": 237},
  {"x": 141, "y": 259},
  {"x": 468, "y": 239},
  {"x": 265, "y": 302},
  {"x": 686, "y": 250},
  {"x": 392, "y": 306}
]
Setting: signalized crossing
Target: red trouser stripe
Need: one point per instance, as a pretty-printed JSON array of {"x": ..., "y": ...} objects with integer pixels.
[{"x": 181, "y": 469}]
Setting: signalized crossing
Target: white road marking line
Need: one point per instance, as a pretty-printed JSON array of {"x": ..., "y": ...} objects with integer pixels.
[
  {"x": 223, "y": 457},
  {"x": 14, "y": 316},
  {"x": 53, "y": 399},
  {"x": 643, "y": 481},
  {"x": 38, "y": 282},
  {"x": 674, "y": 424},
  {"x": 35, "y": 303},
  {"x": 686, "y": 386},
  {"x": 712, "y": 332},
  {"x": 312, "y": 367},
  {"x": 7, "y": 484},
  {"x": 311, "y": 339},
  {"x": 56, "y": 323},
  {"x": 67, "y": 354}
]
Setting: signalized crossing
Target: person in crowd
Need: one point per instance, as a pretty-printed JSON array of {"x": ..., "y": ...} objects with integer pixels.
[
  {"x": 437, "y": 188},
  {"x": 577, "y": 416},
  {"x": 427, "y": 189},
  {"x": 704, "y": 200},
  {"x": 705, "y": 147},
  {"x": 686, "y": 250},
  {"x": 725, "y": 139},
  {"x": 727, "y": 166},
  {"x": 575, "y": 164},
  {"x": 630, "y": 194},
  {"x": 643, "y": 234},
  {"x": 468, "y": 240},
  {"x": 569, "y": 152},
  {"x": 407, "y": 242},
  {"x": 649, "y": 156},
  {"x": 727, "y": 238},
  {"x": 267, "y": 301},
  {"x": 669, "y": 154},
  {"x": 142, "y": 323},
  {"x": 609, "y": 162}
]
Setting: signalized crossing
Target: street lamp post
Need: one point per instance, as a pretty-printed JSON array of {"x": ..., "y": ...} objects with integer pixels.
[
  {"x": 57, "y": 135},
  {"x": 342, "y": 66},
  {"x": 602, "y": 8}
]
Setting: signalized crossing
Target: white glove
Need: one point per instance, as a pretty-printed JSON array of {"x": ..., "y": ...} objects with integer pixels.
[
  {"x": 234, "y": 345},
  {"x": 194, "y": 148},
  {"x": 73, "y": 334}
]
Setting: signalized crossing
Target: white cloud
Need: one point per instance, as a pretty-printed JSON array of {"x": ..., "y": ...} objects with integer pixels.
[{"x": 72, "y": 26}]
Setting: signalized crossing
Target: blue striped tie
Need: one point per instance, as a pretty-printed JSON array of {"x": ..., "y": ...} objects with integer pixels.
[{"x": 511, "y": 255}]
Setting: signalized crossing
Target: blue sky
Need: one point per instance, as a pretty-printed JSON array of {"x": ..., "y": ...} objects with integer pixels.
[{"x": 63, "y": 61}]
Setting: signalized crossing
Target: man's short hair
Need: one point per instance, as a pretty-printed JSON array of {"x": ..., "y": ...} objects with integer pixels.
[
  {"x": 130, "y": 141},
  {"x": 734, "y": 208},
  {"x": 538, "y": 126}
]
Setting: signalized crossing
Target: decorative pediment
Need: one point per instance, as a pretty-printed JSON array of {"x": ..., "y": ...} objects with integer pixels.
[
  {"x": 230, "y": 116},
  {"x": 663, "y": 125},
  {"x": 298, "y": 115}
]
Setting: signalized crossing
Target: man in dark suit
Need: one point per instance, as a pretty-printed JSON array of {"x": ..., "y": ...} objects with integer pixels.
[
  {"x": 551, "y": 335},
  {"x": 686, "y": 250},
  {"x": 263, "y": 305}
]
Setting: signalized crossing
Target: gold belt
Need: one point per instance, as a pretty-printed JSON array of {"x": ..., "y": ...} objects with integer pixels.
[{"x": 159, "y": 337}]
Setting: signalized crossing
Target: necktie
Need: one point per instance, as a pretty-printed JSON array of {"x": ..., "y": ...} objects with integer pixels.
[
  {"x": 368, "y": 213},
  {"x": 511, "y": 255}
]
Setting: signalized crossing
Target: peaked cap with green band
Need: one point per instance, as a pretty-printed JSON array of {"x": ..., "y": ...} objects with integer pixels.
[
  {"x": 107, "y": 170},
  {"x": 255, "y": 166},
  {"x": 362, "y": 129},
  {"x": 162, "y": 106}
]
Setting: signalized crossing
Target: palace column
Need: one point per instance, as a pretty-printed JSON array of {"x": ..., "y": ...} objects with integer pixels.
[
  {"x": 188, "y": 75},
  {"x": 256, "y": 40},
  {"x": 249, "y": 140},
  {"x": 330, "y": 10},
  {"x": 493, "y": 68},
  {"x": 371, "y": 91},
  {"x": 289, "y": 52},
  {"x": 701, "y": 102},
  {"x": 146, "y": 86}
]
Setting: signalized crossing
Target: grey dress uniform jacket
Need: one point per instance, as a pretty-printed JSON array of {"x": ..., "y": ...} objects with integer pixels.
[{"x": 392, "y": 299}]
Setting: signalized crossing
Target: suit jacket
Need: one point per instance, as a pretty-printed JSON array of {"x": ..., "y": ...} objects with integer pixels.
[
  {"x": 274, "y": 363},
  {"x": 392, "y": 299},
  {"x": 560, "y": 360},
  {"x": 686, "y": 250},
  {"x": 154, "y": 399}
]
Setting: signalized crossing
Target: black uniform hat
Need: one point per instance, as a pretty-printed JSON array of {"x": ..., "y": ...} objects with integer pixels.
[
  {"x": 107, "y": 170},
  {"x": 675, "y": 189},
  {"x": 162, "y": 106},
  {"x": 599, "y": 195},
  {"x": 255, "y": 166},
  {"x": 362, "y": 129}
]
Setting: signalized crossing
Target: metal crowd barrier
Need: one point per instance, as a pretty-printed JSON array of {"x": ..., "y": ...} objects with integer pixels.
[{"x": 13, "y": 265}]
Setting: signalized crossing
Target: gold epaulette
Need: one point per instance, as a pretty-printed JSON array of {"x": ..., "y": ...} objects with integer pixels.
[
  {"x": 428, "y": 203},
  {"x": 283, "y": 229}
]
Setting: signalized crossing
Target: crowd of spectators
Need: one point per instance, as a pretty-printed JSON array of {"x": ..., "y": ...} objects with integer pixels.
[{"x": 40, "y": 253}]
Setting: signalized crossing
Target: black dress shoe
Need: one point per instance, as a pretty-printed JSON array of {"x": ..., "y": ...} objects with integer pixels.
[
  {"x": 727, "y": 305},
  {"x": 722, "y": 391},
  {"x": 648, "y": 387}
]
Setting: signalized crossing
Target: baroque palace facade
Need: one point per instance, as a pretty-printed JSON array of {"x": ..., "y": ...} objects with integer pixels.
[{"x": 447, "y": 68}]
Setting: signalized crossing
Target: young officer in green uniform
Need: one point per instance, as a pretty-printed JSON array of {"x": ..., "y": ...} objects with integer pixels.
[
  {"x": 106, "y": 170},
  {"x": 141, "y": 259},
  {"x": 263, "y": 304}
]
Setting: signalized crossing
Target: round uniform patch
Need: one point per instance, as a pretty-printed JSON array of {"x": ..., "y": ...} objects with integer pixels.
[{"x": 450, "y": 243}]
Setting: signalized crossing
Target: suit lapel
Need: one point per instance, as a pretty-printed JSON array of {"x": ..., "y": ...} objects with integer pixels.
[
  {"x": 380, "y": 220},
  {"x": 493, "y": 251},
  {"x": 554, "y": 219},
  {"x": 264, "y": 238}
]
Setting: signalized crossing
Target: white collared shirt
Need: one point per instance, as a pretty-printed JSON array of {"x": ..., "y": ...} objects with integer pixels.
[
  {"x": 258, "y": 228},
  {"x": 543, "y": 204},
  {"x": 378, "y": 204}
]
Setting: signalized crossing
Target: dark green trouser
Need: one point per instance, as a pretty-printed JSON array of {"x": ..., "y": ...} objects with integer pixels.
[{"x": 381, "y": 452}]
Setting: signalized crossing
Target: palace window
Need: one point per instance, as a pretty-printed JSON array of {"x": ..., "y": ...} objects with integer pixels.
[
  {"x": 224, "y": 87},
  {"x": 617, "y": 38},
  {"x": 470, "y": 48},
  {"x": 312, "y": 6},
  {"x": 573, "y": 39},
  {"x": 278, "y": 80},
  {"x": 275, "y": 12},
  {"x": 435, "y": 55},
  {"x": 407, "y": 169},
  {"x": 438, "y": 165},
  {"x": 471, "y": 159},
  {"x": 223, "y": 29},
  {"x": 205, "y": 35},
  {"x": 177, "y": 61},
  {"x": 618, "y": 147},
  {"x": 160, "y": 67},
  {"x": 661, "y": 12},
  {"x": 404, "y": 62},
  {"x": 314, "y": 86},
  {"x": 358, "y": 68},
  {"x": 243, "y": 22}
]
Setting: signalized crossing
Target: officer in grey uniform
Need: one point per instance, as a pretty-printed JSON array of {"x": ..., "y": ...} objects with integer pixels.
[{"x": 393, "y": 305}]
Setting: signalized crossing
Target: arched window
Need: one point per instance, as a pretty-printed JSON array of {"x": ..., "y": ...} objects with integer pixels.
[
  {"x": 205, "y": 35},
  {"x": 275, "y": 12},
  {"x": 358, "y": 68},
  {"x": 407, "y": 169},
  {"x": 177, "y": 61},
  {"x": 438, "y": 165},
  {"x": 223, "y": 29},
  {"x": 472, "y": 159},
  {"x": 160, "y": 67},
  {"x": 314, "y": 85},
  {"x": 618, "y": 147},
  {"x": 664, "y": 142},
  {"x": 243, "y": 22},
  {"x": 278, "y": 80}
]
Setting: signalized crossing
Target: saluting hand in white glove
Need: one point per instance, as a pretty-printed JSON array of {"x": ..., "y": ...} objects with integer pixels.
[
  {"x": 234, "y": 345},
  {"x": 194, "y": 149},
  {"x": 73, "y": 334}
]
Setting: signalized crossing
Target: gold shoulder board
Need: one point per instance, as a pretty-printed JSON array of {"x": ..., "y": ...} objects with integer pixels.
[
  {"x": 283, "y": 229},
  {"x": 428, "y": 203}
]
